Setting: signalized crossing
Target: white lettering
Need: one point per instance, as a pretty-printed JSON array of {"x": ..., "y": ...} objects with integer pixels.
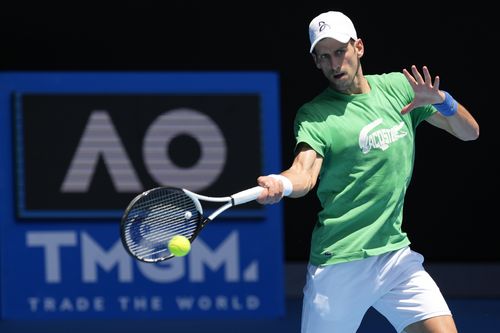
[
  {"x": 100, "y": 139},
  {"x": 252, "y": 302},
  {"x": 207, "y": 134},
  {"x": 204, "y": 303},
  {"x": 164, "y": 271},
  {"x": 236, "y": 303},
  {"x": 99, "y": 260},
  {"x": 219, "y": 303},
  {"x": 154, "y": 303},
  {"x": 66, "y": 304},
  {"x": 51, "y": 242},
  {"x": 380, "y": 139},
  {"x": 226, "y": 253},
  {"x": 33, "y": 303},
  {"x": 81, "y": 304},
  {"x": 185, "y": 303},
  {"x": 251, "y": 273},
  {"x": 93, "y": 256}
]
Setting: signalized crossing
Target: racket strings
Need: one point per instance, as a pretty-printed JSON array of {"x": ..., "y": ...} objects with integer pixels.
[{"x": 157, "y": 217}]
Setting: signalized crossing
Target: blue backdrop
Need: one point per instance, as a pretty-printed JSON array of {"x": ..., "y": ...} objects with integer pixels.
[{"x": 60, "y": 247}]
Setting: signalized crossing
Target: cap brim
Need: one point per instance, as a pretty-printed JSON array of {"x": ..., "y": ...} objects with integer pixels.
[{"x": 343, "y": 38}]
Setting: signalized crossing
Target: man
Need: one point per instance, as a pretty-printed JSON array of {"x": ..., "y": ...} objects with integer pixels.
[{"x": 356, "y": 138}]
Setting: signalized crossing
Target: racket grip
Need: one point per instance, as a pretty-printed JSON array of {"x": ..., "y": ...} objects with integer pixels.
[{"x": 246, "y": 195}]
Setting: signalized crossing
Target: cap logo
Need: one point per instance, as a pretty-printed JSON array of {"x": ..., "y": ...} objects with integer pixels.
[{"x": 323, "y": 26}]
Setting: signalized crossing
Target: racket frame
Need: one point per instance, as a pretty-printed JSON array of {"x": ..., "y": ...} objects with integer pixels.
[{"x": 230, "y": 201}]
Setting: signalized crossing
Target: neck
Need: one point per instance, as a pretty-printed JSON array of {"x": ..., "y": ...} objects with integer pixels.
[{"x": 359, "y": 84}]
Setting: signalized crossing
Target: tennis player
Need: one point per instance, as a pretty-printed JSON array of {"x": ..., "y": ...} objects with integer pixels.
[{"x": 356, "y": 138}]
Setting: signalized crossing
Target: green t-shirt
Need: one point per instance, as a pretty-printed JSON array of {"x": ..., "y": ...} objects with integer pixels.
[{"x": 368, "y": 152}]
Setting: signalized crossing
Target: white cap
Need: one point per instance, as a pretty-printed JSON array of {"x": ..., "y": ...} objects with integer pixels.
[{"x": 331, "y": 24}]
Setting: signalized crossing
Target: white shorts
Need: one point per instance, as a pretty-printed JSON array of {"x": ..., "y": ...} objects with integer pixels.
[{"x": 336, "y": 297}]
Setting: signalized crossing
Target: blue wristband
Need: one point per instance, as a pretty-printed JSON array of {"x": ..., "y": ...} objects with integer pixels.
[{"x": 448, "y": 107}]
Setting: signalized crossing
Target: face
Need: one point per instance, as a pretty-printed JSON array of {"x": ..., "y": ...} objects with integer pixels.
[{"x": 340, "y": 63}]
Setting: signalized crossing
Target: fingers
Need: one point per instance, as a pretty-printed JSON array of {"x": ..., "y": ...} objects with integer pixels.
[
  {"x": 436, "y": 83},
  {"x": 418, "y": 79},
  {"x": 416, "y": 74},
  {"x": 407, "y": 109},
  {"x": 409, "y": 77},
  {"x": 428, "y": 79},
  {"x": 427, "y": 76},
  {"x": 426, "y": 91},
  {"x": 273, "y": 190}
]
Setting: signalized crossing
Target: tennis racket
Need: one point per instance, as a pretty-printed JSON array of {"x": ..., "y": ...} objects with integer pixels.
[{"x": 153, "y": 217}]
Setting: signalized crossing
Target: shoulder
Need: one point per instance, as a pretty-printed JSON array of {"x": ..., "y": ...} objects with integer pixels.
[
  {"x": 307, "y": 112},
  {"x": 394, "y": 83},
  {"x": 312, "y": 107},
  {"x": 387, "y": 79}
]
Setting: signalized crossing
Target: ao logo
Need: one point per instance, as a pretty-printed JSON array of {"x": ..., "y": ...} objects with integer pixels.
[{"x": 100, "y": 139}]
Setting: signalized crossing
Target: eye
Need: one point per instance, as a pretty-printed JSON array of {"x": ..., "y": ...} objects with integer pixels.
[{"x": 340, "y": 52}]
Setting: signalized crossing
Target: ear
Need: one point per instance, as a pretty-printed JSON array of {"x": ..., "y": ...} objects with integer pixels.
[
  {"x": 315, "y": 59},
  {"x": 359, "y": 47}
]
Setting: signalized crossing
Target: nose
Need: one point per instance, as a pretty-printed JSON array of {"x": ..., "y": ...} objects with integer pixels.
[
  {"x": 334, "y": 64},
  {"x": 335, "y": 67}
]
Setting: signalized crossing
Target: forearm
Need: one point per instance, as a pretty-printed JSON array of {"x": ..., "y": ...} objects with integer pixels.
[
  {"x": 294, "y": 182},
  {"x": 455, "y": 118},
  {"x": 302, "y": 182},
  {"x": 463, "y": 125}
]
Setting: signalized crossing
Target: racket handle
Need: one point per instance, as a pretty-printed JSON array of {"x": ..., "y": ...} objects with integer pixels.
[{"x": 246, "y": 195}]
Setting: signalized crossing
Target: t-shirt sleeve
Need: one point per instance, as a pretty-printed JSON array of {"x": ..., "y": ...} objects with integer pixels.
[{"x": 307, "y": 128}]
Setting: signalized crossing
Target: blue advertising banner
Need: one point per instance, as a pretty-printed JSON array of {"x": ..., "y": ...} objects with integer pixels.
[{"x": 75, "y": 148}]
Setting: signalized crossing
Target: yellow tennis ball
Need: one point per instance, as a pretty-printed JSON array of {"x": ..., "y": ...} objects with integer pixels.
[{"x": 179, "y": 246}]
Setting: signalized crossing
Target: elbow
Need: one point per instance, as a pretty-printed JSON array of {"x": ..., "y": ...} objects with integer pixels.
[
  {"x": 472, "y": 135},
  {"x": 467, "y": 133},
  {"x": 476, "y": 136}
]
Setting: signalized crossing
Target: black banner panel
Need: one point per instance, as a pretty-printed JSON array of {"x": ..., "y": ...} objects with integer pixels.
[{"x": 88, "y": 155}]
